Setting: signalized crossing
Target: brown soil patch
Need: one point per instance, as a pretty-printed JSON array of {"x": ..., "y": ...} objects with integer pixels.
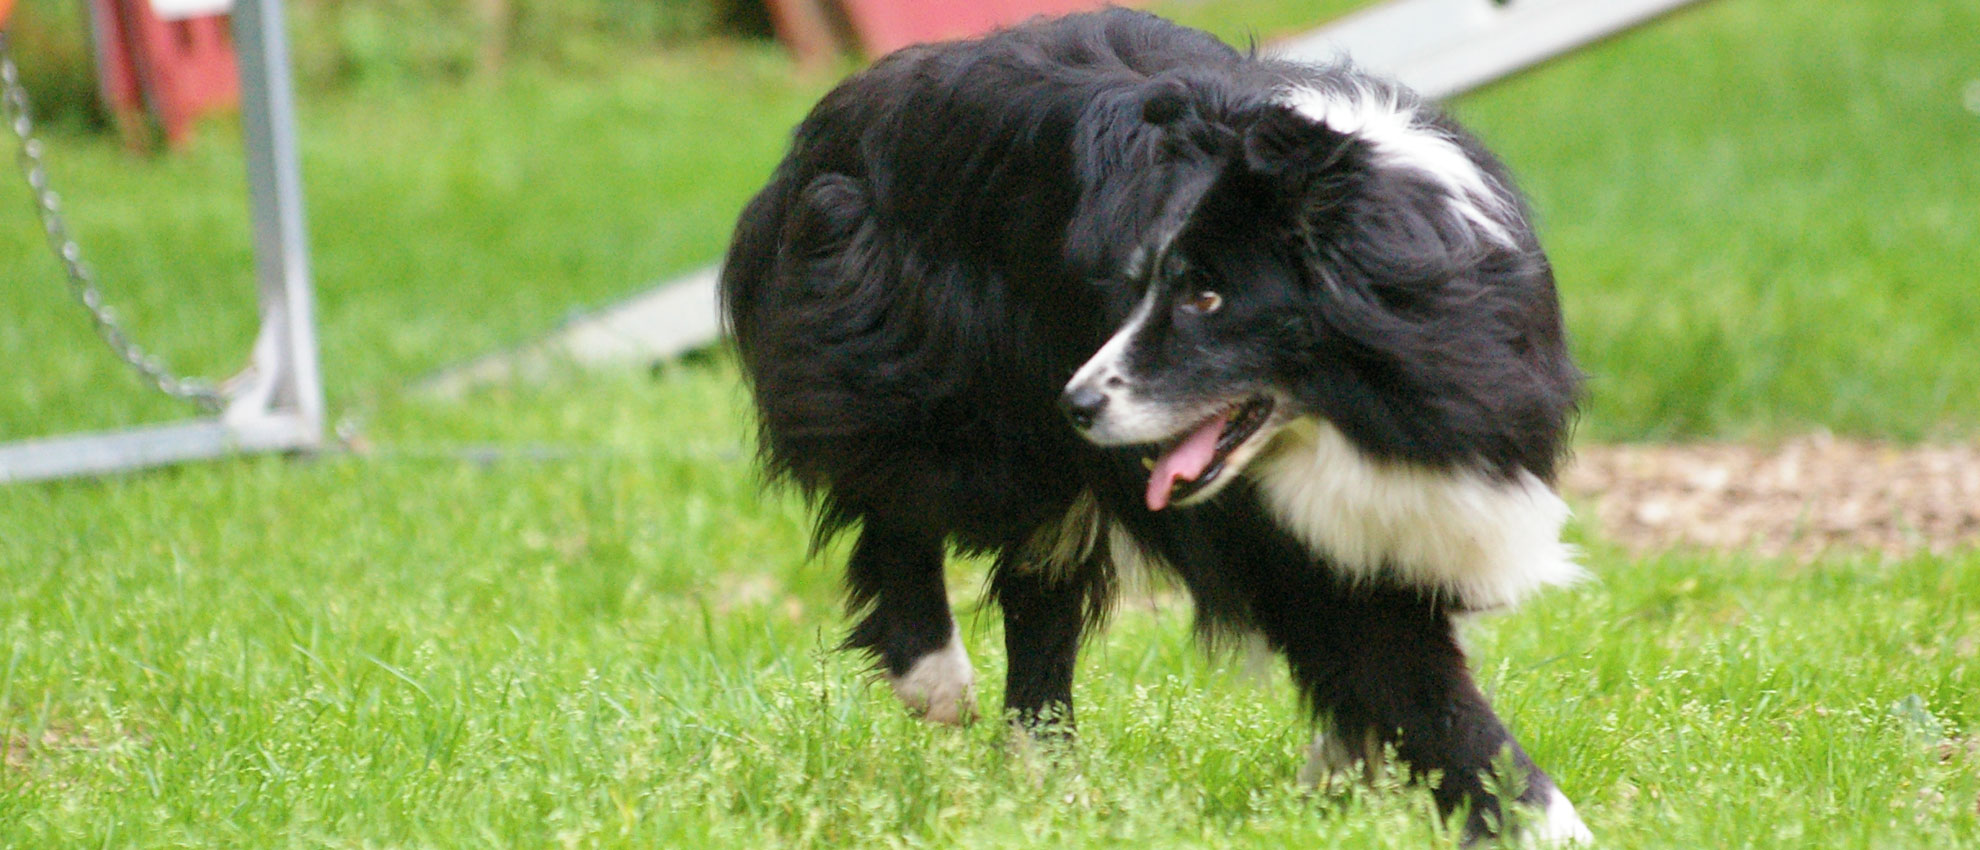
[
  {"x": 1801, "y": 498},
  {"x": 18, "y": 751}
]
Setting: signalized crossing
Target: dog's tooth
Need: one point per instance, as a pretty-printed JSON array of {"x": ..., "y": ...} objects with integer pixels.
[{"x": 1148, "y": 463}]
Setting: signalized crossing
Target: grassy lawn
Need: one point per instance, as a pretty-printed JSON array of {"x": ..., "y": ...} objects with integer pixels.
[
  {"x": 608, "y": 639},
  {"x": 564, "y": 614}
]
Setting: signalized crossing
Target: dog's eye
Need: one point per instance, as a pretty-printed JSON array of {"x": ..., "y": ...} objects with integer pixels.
[{"x": 1203, "y": 303}]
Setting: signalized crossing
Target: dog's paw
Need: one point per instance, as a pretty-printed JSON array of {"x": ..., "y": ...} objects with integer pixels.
[
  {"x": 1557, "y": 825},
  {"x": 940, "y": 687},
  {"x": 1333, "y": 759}
]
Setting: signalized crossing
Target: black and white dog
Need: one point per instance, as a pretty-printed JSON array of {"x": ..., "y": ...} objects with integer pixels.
[{"x": 1308, "y": 346}]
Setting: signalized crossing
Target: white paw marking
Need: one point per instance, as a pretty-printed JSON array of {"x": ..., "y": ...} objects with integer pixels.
[
  {"x": 1331, "y": 758},
  {"x": 1559, "y": 824},
  {"x": 940, "y": 686}
]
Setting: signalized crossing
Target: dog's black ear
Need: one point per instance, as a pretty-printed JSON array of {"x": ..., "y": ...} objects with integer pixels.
[
  {"x": 1304, "y": 166},
  {"x": 1164, "y": 101},
  {"x": 1285, "y": 146}
]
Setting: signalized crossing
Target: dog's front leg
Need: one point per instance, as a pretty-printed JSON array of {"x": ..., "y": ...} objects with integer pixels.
[
  {"x": 894, "y": 581},
  {"x": 1382, "y": 669}
]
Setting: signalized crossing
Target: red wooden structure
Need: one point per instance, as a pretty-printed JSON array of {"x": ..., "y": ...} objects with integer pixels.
[
  {"x": 171, "y": 69},
  {"x": 884, "y": 26},
  {"x": 810, "y": 27}
]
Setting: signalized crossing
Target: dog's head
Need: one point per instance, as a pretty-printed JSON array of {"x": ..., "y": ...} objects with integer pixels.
[{"x": 1354, "y": 259}]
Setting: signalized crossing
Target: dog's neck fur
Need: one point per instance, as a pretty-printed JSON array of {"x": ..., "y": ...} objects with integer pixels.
[{"x": 1478, "y": 540}]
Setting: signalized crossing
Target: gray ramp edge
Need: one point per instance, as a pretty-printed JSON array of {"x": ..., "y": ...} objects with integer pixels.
[
  {"x": 667, "y": 320},
  {"x": 1446, "y": 47},
  {"x": 1438, "y": 47}
]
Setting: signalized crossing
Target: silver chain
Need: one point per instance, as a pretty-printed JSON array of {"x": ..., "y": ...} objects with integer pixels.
[{"x": 82, "y": 282}]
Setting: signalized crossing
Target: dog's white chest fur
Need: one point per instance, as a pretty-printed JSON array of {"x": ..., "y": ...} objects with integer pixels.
[{"x": 1477, "y": 540}]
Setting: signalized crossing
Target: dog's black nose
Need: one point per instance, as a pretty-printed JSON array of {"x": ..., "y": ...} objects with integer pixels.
[{"x": 1082, "y": 405}]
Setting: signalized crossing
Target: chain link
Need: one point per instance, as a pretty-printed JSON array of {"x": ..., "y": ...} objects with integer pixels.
[{"x": 82, "y": 282}]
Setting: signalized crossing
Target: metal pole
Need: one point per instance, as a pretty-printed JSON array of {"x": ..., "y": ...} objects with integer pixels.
[{"x": 285, "y": 354}]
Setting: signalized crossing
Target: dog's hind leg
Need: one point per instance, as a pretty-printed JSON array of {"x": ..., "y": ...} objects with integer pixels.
[
  {"x": 894, "y": 584},
  {"x": 1382, "y": 668}
]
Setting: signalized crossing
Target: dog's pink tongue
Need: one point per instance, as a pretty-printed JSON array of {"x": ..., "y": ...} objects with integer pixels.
[{"x": 1184, "y": 462}]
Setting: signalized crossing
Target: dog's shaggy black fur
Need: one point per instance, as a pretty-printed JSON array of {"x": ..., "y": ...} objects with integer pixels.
[{"x": 1119, "y": 219}]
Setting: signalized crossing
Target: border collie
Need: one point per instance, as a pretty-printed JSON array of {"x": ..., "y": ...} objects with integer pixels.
[{"x": 1102, "y": 289}]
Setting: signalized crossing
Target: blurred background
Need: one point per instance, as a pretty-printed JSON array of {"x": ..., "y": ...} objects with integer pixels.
[
  {"x": 1762, "y": 212},
  {"x": 1770, "y": 206},
  {"x": 560, "y": 611}
]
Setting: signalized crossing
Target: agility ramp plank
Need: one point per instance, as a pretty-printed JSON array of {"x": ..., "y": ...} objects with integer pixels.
[
  {"x": 666, "y": 321},
  {"x": 1446, "y": 47}
]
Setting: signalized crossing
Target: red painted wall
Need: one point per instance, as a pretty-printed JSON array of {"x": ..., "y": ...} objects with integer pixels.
[{"x": 887, "y": 25}]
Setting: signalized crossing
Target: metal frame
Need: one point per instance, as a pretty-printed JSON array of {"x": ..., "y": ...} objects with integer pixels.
[{"x": 277, "y": 404}]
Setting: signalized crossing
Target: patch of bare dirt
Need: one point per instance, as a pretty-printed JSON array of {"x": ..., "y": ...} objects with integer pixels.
[
  {"x": 1801, "y": 498},
  {"x": 18, "y": 751}
]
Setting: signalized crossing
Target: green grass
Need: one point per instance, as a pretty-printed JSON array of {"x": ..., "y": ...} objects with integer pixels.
[
  {"x": 564, "y": 615},
  {"x": 607, "y": 638}
]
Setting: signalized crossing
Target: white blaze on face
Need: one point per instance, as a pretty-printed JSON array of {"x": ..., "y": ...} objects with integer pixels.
[
  {"x": 1192, "y": 435},
  {"x": 1461, "y": 533},
  {"x": 1127, "y": 418}
]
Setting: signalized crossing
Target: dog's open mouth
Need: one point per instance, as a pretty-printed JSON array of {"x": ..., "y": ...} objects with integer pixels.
[{"x": 1190, "y": 463}]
